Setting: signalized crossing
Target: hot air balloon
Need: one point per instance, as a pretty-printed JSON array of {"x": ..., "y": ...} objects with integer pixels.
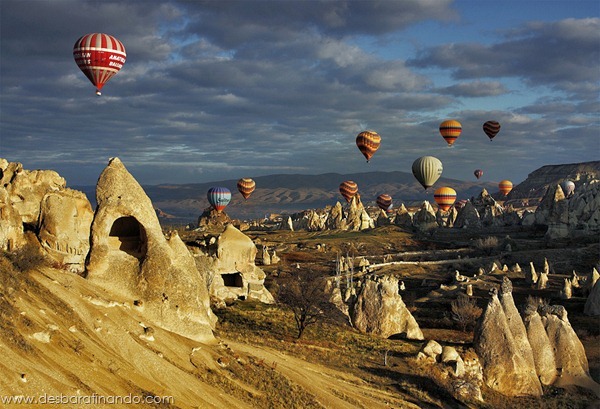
[
  {"x": 450, "y": 130},
  {"x": 246, "y": 186},
  {"x": 505, "y": 187},
  {"x": 427, "y": 170},
  {"x": 491, "y": 128},
  {"x": 478, "y": 173},
  {"x": 218, "y": 197},
  {"x": 445, "y": 197},
  {"x": 384, "y": 202},
  {"x": 100, "y": 57},
  {"x": 348, "y": 189},
  {"x": 568, "y": 187},
  {"x": 368, "y": 142}
]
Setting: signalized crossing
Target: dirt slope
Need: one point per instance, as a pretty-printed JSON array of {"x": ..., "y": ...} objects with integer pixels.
[{"x": 62, "y": 336}]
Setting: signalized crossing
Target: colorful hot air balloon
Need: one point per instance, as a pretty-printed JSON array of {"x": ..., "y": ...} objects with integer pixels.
[
  {"x": 100, "y": 57},
  {"x": 368, "y": 142},
  {"x": 505, "y": 187},
  {"x": 445, "y": 197},
  {"x": 450, "y": 130},
  {"x": 384, "y": 202},
  {"x": 218, "y": 197},
  {"x": 246, "y": 186},
  {"x": 427, "y": 170},
  {"x": 491, "y": 128},
  {"x": 478, "y": 173},
  {"x": 568, "y": 187},
  {"x": 348, "y": 189}
]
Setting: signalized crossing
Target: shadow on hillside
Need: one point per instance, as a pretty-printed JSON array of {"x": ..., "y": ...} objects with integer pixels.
[{"x": 426, "y": 393}]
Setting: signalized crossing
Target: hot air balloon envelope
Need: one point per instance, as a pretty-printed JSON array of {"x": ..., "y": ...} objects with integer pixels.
[
  {"x": 478, "y": 173},
  {"x": 505, "y": 187},
  {"x": 218, "y": 197},
  {"x": 100, "y": 57},
  {"x": 445, "y": 197},
  {"x": 491, "y": 128},
  {"x": 368, "y": 142},
  {"x": 348, "y": 189},
  {"x": 568, "y": 187},
  {"x": 246, "y": 186},
  {"x": 384, "y": 202},
  {"x": 450, "y": 130},
  {"x": 427, "y": 170}
]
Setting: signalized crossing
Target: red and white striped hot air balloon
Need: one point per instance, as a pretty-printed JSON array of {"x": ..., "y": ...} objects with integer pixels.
[{"x": 100, "y": 56}]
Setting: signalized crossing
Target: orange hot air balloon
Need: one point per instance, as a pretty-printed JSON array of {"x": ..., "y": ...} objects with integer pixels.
[
  {"x": 505, "y": 187},
  {"x": 99, "y": 56},
  {"x": 384, "y": 202},
  {"x": 368, "y": 142},
  {"x": 246, "y": 186},
  {"x": 491, "y": 128},
  {"x": 450, "y": 130},
  {"x": 348, "y": 189},
  {"x": 445, "y": 197}
]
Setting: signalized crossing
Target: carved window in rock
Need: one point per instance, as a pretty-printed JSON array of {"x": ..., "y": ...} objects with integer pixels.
[
  {"x": 128, "y": 235},
  {"x": 233, "y": 280}
]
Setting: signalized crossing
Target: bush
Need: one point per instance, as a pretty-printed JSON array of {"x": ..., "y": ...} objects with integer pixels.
[
  {"x": 465, "y": 311},
  {"x": 487, "y": 244}
]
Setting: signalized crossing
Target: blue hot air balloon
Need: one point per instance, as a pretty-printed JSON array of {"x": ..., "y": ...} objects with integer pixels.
[{"x": 219, "y": 198}]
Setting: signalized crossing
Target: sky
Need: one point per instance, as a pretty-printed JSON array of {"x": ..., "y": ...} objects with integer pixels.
[{"x": 216, "y": 90}]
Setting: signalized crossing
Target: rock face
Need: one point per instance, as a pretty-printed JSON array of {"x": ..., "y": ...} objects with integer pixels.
[
  {"x": 379, "y": 309},
  {"x": 592, "y": 304},
  {"x": 131, "y": 258},
  {"x": 403, "y": 217},
  {"x": 64, "y": 227},
  {"x": 549, "y": 350},
  {"x": 425, "y": 218},
  {"x": 505, "y": 369},
  {"x": 468, "y": 217},
  {"x": 233, "y": 269},
  {"x": 489, "y": 211}
]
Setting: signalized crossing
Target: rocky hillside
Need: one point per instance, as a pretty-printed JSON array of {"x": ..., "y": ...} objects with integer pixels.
[{"x": 537, "y": 182}]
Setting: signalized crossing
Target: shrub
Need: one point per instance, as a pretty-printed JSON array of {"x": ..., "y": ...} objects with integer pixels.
[
  {"x": 465, "y": 311},
  {"x": 487, "y": 244}
]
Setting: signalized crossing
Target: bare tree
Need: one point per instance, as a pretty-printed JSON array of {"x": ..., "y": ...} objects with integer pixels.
[
  {"x": 304, "y": 293},
  {"x": 465, "y": 311}
]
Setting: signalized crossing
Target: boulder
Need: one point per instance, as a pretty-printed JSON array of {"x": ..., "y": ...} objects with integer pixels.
[
  {"x": 133, "y": 260},
  {"x": 430, "y": 351}
]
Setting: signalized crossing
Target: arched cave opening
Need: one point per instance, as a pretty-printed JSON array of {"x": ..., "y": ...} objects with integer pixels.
[
  {"x": 128, "y": 235},
  {"x": 233, "y": 280}
]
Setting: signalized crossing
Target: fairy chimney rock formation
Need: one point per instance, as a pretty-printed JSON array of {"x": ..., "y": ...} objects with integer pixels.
[
  {"x": 505, "y": 369},
  {"x": 543, "y": 354},
  {"x": 425, "y": 218},
  {"x": 132, "y": 259},
  {"x": 235, "y": 275},
  {"x": 467, "y": 217},
  {"x": 379, "y": 309},
  {"x": 592, "y": 304},
  {"x": 64, "y": 227}
]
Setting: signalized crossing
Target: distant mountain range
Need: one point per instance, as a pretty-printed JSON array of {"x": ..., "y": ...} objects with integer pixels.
[{"x": 183, "y": 203}]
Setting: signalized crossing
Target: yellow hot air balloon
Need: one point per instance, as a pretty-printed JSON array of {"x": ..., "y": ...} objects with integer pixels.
[
  {"x": 445, "y": 197},
  {"x": 427, "y": 170},
  {"x": 450, "y": 130},
  {"x": 348, "y": 189},
  {"x": 246, "y": 186},
  {"x": 368, "y": 142},
  {"x": 505, "y": 187}
]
